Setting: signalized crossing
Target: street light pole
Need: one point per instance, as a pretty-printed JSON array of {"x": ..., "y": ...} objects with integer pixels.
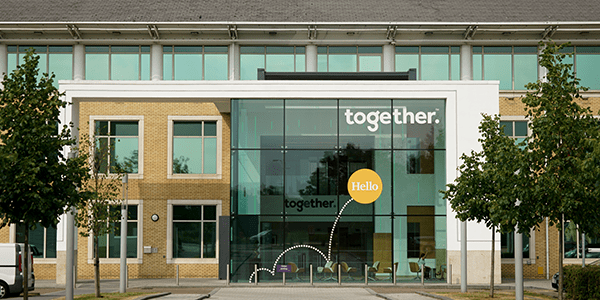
[
  {"x": 70, "y": 255},
  {"x": 123, "y": 275}
]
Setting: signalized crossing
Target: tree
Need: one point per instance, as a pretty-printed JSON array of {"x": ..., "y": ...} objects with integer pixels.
[
  {"x": 98, "y": 214},
  {"x": 484, "y": 190},
  {"x": 37, "y": 183},
  {"x": 564, "y": 143}
]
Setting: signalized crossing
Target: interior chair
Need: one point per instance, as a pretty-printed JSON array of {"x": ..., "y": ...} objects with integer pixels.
[
  {"x": 391, "y": 269},
  {"x": 373, "y": 270},
  {"x": 329, "y": 268},
  {"x": 414, "y": 267},
  {"x": 296, "y": 270},
  {"x": 348, "y": 270}
]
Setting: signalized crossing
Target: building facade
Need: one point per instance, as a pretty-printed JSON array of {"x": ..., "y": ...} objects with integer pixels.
[{"x": 228, "y": 170}]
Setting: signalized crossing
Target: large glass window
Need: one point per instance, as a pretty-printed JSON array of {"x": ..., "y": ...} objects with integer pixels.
[
  {"x": 272, "y": 59},
  {"x": 432, "y": 63},
  {"x": 289, "y": 183},
  {"x": 195, "y": 62},
  {"x": 507, "y": 242},
  {"x": 574, "y": 242},
  {"x": 117, "y": 62},
  {"x": 349, "y": 59},
  {"x": 194, "y": 231},
  {"x": 53, "y": 59},
  {"x": 514, "y": 67},
  {"x": 109, "y": 245},
  {"x": 41, "y": 240},
  {"x": 117, "y": 145}
]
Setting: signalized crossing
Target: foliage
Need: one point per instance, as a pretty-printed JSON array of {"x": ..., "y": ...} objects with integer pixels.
[
  {"x": 582, "y": 283},
  {"x": 37, "y": 183}
]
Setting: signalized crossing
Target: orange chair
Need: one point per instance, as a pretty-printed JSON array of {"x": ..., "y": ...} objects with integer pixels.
[
  {"x": 346, "y": 269},
  {"x": 296, "y": 270}
]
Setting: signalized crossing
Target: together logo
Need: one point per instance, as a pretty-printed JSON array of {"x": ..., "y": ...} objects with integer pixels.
[{"x": 399, "y": 116}]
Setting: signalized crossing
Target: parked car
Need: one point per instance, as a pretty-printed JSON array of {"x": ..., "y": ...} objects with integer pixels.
[
  {"x": 11, "y": 269},
  {"x": 555, "y": 276}
]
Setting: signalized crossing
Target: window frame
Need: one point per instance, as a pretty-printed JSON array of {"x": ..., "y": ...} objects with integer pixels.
[
  {"x": 170, "y": 204},
  {"x": 171, "y": 121},
  {"x": 140, "y": 120},
  {"x": 140, "y": 239}
]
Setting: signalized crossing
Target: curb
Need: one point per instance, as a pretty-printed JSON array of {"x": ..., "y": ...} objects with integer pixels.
[
  {"x": 152, "y": 296},
  {"x": 432, "y": 295}
]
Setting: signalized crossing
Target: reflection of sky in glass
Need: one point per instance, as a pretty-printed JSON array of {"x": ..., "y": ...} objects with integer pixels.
[
  {"x": 210, "y": 156},
  {"x": 587, "y": 70},
  {"x": 497, "y": 67},
  {"x": 369, "y": 63},
  {"x": 188, "y": 66},
  {"x": 342, "y": 63},
  {"x": 96, "y": 66},
  {"x": 407, "y": 61},
  {"x": 188, "y": 151},
  {"x": 125, "y": 152},
  {"x": 280, "y": 63},
  {"x": 525, "y": 70},
  {"x": 124, "y": 67},
  {"x": 215, "y": 67},
  {"x": 62, "y": 66},
  {"x": 434, "y": 67},
  {"x": 249, "y": 63}
]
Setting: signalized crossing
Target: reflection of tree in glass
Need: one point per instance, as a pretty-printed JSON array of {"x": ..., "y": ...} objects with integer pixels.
[
  {"x": 129, "y": 164},
  {"x": 270, "y": 190},
  {"x": 323, "y": 180},
  {"x": 180, "y": 165}
]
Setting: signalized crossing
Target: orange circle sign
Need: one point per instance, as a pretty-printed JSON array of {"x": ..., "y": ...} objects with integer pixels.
[{"x": 364, "y": 186}]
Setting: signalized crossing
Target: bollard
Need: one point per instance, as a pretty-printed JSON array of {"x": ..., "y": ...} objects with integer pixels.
[
  {"x": 339, "y": 274},
  {"x": 255, "y": 274},
  {"x": 311, "y": 274},
  {"x": 395, "y": 268},
  {"x": 449, "y": 278},
  {"x": 127, "y": 276},
  {"x": 227, "y": 278},
  {"x": 366, "y": 274},
  {"x": 177, "y": 275},
  {"x": 283, "y": 278}
]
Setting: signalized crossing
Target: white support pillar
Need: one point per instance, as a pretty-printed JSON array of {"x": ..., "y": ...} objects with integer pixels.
[
  {"x": 78, "y": 62},
  {"x": 389, "y": 58},
  {"x": 311, "y": 58},
  {"x": 466, "y": 62},
  {"x": 3, "y": 62},
  {"x": 234, "y": 61},
  {"x": 156, "y": 62}
]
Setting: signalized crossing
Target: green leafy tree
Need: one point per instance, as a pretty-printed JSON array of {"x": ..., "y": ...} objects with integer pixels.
[
  {"x": 484, "y": 190},
  {"x": 97, "y": 216},
  {"x": 564, "y": 143},
  {"x": 37, "y": 183}
]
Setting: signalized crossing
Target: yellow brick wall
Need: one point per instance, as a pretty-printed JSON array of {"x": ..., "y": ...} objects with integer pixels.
[
  {"x": 5, "y": 234},
  {"x": 514, "y": 106},
  {"x": 155, "y": 189}
]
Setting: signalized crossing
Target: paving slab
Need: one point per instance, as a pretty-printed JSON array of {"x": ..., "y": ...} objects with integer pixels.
[{"x": 293, "y": 293}]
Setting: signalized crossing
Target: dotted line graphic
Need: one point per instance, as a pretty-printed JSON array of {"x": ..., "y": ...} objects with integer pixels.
[
  {"x": 328, "y": 258},
  {"x": 333, "y": 229}
]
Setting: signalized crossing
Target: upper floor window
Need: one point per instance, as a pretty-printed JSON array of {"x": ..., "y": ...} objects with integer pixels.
[
  {"x": 586, "y": 62},
  {"x": 272, "y": 59},
  {"x": 117, "y": 62},
  {"x": 349, "y": 59},
  {"x": 195, "y": 63},
  {"x": 53, "y": 59},
  {"x": 432, "y": 63},
  {"x": 515, "y": 129},
  {"x": 118, "y": 144},
  {"x": 513, "y": 66},
  {"x": 194, "y": 147}
]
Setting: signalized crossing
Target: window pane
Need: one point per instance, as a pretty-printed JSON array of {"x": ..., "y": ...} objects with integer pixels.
[
  {"x": 124, "y": 155},
  {"x": 249, "y": 63},
  {"x": 587, "y": 69},
  {"x": 571, "y": 238},
  {"x": 186, "y": 240},
  {"x": 215, "y": 67},
  {"x": 434, "y": 66},
  {"x": 96, "y": 66},
  {"x": 407, "y": 61},
  {"x": 132, "y": 230},
  {"x": 167, "y": 67},
  {"x": 373, "y": 49},
  {"x": 370, "y": 63},
  {"x": 322, "y": 63},
  {"x": 12, "y": 62},
  {"x": 210, "y": 156},
  {"x": 187, "y": 212},
  {"x": 342, "y": 50},
  {"x": 210, "y": 240},
  {"x": 62, "y": 66},
  {"x": 455, "y": 67},
  {"x": 187, "y": 128},
  {"x": 362, "y": 123},
  {"x": 210, "y": 212},
  {"x": 300, "y": 63},
  {"x": 50, "y": 242},
  {"x": 525, "y": 70},
  {"x": 342, "y": 63},
  {"x": 132, "y": 213},
  {"x": 311, "y": 124},
  {"x": 125, "y": 66},
  {"x": 477, "y": 73},
  {"x": 36, "y": 240},
  {"x": 498, "y": 67},
  {"x": 280, "y": 63},
  {"x": 508, "y": 127},
  {"x": 520, "y": 128},
  {"x": 102, "y": 246},
  {"x": 210, "y": 128},
  {"x": 188, "y": 49},
  {"x": 188, "y": 66},
  {"x": 129, "y": 49},
  {"x": 128, "y": 128},
  {"x": 257, "y": 123},
  {"x": 187, "y": 155},
  {"x": 145, "y": 69}
]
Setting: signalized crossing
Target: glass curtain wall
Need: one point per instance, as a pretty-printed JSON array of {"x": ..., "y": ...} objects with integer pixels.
[{"x": 291, "y": 160}]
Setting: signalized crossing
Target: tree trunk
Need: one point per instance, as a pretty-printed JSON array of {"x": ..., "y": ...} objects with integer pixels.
[
  {"x": 96, "y": 267},
  {"x": 492, "y": 268},
  {"x": 26, "y": 265},
  {"x": 561, "y": 236}
]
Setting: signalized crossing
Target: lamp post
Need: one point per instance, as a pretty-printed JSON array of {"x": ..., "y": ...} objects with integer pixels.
[
  {"x": 123, "y": 275},
  {"x": 70, "y": 257}
]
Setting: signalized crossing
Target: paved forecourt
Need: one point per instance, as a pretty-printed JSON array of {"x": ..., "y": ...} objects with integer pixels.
[{"x": 303, "y": 293}]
